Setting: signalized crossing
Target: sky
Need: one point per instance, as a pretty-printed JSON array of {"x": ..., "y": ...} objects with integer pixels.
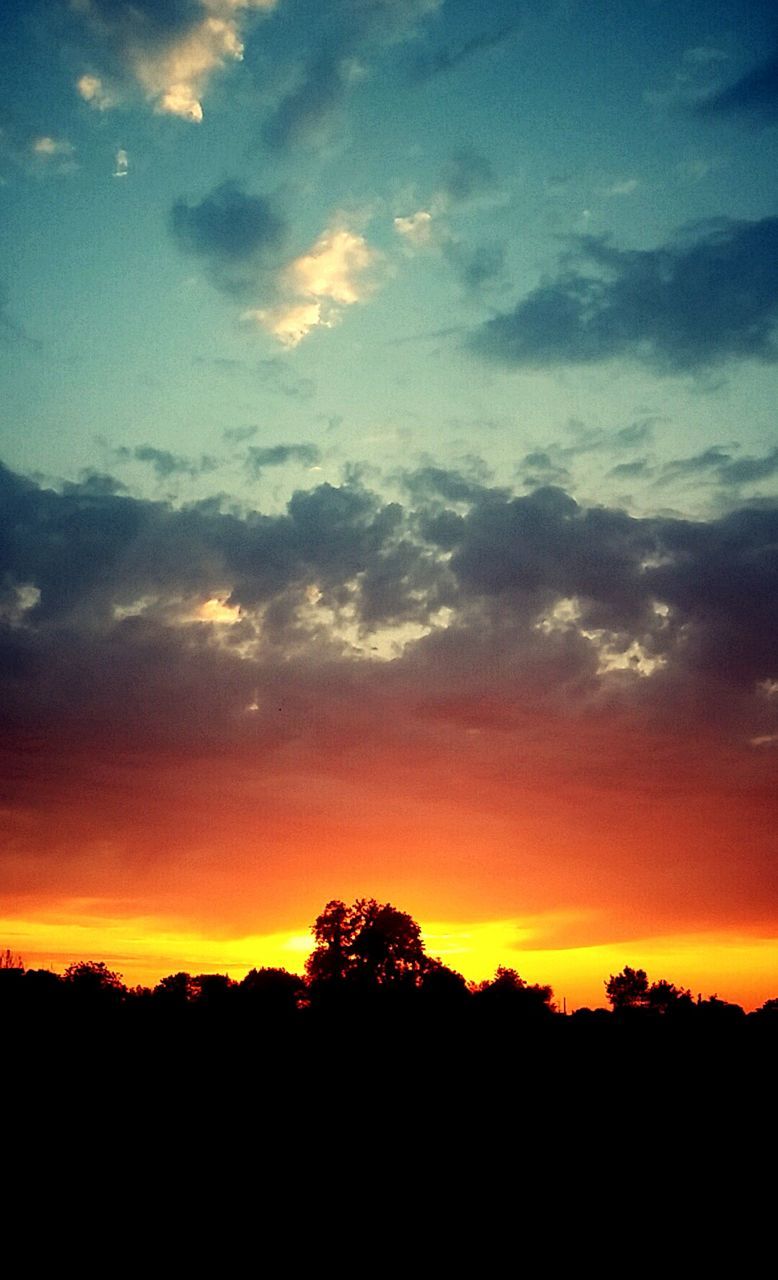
[{"x": 389, "y": 486}]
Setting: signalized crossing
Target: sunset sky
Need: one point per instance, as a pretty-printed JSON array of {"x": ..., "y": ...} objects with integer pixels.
[{"x": 389, "y": 485}]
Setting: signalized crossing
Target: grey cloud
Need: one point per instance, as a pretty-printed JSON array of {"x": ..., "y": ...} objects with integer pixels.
[
  {"x": 11, "y": 332},
  {"x": 639, "y": 432},
  {"x": 468, "y": 174},
  {"x": 477, "y": 266},
  {"x": 709, "y": 459},
  {"x": 342, "y": 35},
  {"x": 114, "y": 575},
  {"x": 239, "y": 236},
  {"x": 237, "y": 435},
  {"x": 305, "y": 112},
  {"x": 630, "y": 470},
  {"x": 538, "y": 469},
  {"x": 706, "y": 297},
  {"x": 164, "y": 463},
  {"x": 727, "y": 469},
  {"x": 277, "y": 377},
  {"x": 754, "y": 96},
  {"x": 276, "y": 455},
  {"x": 431, "y": 483},
  {"x": 448, "y": 58},
  {"x": 749, "y": 470}
]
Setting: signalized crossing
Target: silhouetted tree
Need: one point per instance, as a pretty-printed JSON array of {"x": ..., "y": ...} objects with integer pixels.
[
  {"x": 92, "y": 980},
  {"x": 443, "y": 987},
  {"x": 665, "y": 998},
  {"x": 213, "y": 990},
  {"x": 508, "y": 993},
  {"x": 627, "y": 990},
  {"x": 367, "y": 945},
  {"x": 177, "y": 989},
  {"x": 272, "y": 992}
]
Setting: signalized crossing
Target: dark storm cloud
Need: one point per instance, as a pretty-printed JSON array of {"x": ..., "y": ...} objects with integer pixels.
[
  {"x": 276, "y": 455},
  {"x": 753, "y": 97},
  {"x": 708, "y": 296},
  {"x": 239, "y": 236},
  {"x": 101, "y": 634}
]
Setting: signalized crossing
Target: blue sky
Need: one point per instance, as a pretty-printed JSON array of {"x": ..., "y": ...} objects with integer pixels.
[{"x": 508, "y": 132}]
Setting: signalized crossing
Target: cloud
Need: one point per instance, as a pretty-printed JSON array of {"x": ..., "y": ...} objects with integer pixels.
[
  {"x": 11, "y": 331},
  {"x": 476, "y": 266},
  {"x": 724, "y": 467},
  {"x": 316, "y": 285},
  {"x": 164, "y": 463},
  {"x": 623, "y": 187},
  {"x": 709, "y": 296},
  {"x": 277, "y": 455},
  {"x": 416, "y": 229},
  {"x": 93, "y": 91},
  {"x": 562, "y": 595},
  {"x": 754, "y": 96},
  {"x": 304, "y": 115},
  {"x": 467, "y": 176},
  {"x": 169, "y": 49},
  {"x": 239, "y": 236},
  {"x": 121, "y": 163},
  {"x": 48, "y": 148},
  {"x": 344, "y": 37},
  {"x": 446, "y": 59},
  {"x": 237, "y": 435}
]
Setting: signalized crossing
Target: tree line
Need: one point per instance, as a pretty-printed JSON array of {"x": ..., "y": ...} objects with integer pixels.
[{"x": 368, "y": 957}]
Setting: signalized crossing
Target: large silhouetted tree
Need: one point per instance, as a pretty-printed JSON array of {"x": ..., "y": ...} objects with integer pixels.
[{"x": 367, "y": 945}]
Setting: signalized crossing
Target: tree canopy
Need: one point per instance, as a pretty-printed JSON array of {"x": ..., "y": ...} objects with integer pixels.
[{"x": 369, "y": 944}]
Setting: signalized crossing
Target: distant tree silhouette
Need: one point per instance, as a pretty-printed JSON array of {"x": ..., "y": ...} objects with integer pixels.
[
  {"x": 213, "y": 990},
  {"x": 367, "y": 945},
  {"x": 10, "y": 960},
  {"x": 508, "y": 993},
  {"x": 272, "y": 992},
  {"x": 92, "y": 979},
  {"x": 444, "y": 987},
  {"x": 628, "y": 989},
  {"x": 770, "y": 1007},
  {"x": 176, "y": 989},
  {"x": 665, "y": 998}
]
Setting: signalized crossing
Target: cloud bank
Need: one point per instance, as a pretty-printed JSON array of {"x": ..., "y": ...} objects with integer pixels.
[{"x": 709, "y": 296}]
